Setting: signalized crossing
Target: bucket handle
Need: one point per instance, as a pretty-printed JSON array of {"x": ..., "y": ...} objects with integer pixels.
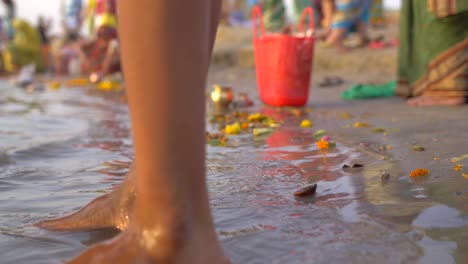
[
  {"x": 257, "y": 13},
  {"x": 308, "y": 11}
]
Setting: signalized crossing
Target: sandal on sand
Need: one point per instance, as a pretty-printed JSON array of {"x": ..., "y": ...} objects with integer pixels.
[{"x": 330, "y": 82}]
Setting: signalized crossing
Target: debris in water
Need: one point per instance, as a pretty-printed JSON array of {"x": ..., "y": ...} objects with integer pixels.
[
  {"x": 360, "y": 124},
  {"x": 465, "y": 175},
  {"x": 347, "y": 115},
  {"x": 354, "y": 166},
  {"x": 384, "y": 175},
  {"x": 306, "y": 191},
  {"x": 459, "y": 158},
  {"x": 436, "y": 158},
  {"x": 419, "y": 172},
  {"x": 418, "y": 148},
  {"x": 379, "y": 130},
  {"x": 261, "y": 131},
  {"x": 216, "y": 139},
  {"x": 458, "y": 167}
]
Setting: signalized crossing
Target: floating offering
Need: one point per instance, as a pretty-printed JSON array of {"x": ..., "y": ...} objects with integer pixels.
[
  {"x": 108, "y": 86},
  {"x": 360, "y": 124},
  {"x": 322, "y": 144},
  {"x": 306, "y": 191},
  {"x": 458, "y": 167},
  {"x": 233, "y": 129},
  {"x": 419, "y": 172},
  {"x": 256, "y": 117},
  {"x": 261, "y": 131},
  {"x": 459, "y": 158},
  {"x": 319, "y": 134},
  {"x": 306, "y": 123},
  {"x": 379, "y": 130}
]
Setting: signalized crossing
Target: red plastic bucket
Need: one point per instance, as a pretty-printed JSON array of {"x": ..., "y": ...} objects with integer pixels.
[{"x": 283, "y": 62}]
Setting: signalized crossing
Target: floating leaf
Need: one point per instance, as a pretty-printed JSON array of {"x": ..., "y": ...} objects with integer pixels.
[
  {"x": 379, "y": 130},
  {"x": 418, "y": 148},
  {"x": 319, "y": 134},
  {"x": 261, "y": 131},
  {"x": 459, "y": 158}
]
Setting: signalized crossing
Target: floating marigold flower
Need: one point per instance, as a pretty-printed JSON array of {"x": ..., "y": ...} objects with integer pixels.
[
  {"x": 322, "y": 144},
  {"x": 245, "y": 125},
  {"x": 360, "y": 124},
  {"x": 419, "y": 172},
  {"x": 306, "y": 123},
  {"x": 465, "y": 175},
  {"x": 457, "y": 167}
]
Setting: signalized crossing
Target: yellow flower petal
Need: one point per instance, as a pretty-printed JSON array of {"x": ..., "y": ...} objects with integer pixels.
[
  {"x": 360, "y": 124},
  {"x": 306, "y": 123}
]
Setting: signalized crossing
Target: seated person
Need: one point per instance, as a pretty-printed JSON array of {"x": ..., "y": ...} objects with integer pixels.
[
  {"x": 101, "y": 56},
  {"x": 24, "y": 49}
]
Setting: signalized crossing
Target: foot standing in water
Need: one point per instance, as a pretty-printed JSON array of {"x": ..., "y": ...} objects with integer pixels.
[
  {"x": 433, "y": 52},
  {"x": 166, "y": 47}
]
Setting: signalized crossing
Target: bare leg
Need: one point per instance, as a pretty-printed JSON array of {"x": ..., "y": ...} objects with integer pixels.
[
  {"x": 336, "y": 38},
  {"x": 362, "y": 31},
  {"x": 172, "y": 221},
  {"x": 113, "y": 210},
  {"x": 328, "y": 7}
]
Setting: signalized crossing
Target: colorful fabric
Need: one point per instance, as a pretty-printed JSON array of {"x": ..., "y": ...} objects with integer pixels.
[
  {"x": 377, "y": 12},
  {"x": 433, "y": 54},
  {"x": 25, "y": 47},
  {"x": 300, "y": 5},
  {"x": 274, "y": 14},
  {"x": 349, "y": 12},
  {"x": 96, "y": 52},
  {"x": 369, "y": 91},
  {"x": 98, "y": 15},
  {"x": 444, "y": 8}
]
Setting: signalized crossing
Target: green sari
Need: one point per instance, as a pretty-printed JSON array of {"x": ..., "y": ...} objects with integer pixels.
[{"x": 433, "y": 53}]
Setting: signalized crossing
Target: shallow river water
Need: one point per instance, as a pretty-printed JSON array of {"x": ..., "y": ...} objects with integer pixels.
[{"x": 58, "y": 151}]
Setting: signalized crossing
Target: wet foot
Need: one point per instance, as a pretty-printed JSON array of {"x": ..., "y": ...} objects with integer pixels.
[
  {"x": 155, "y": 247},
  {"x": 108, "y": 211},
  {"x": 436, "y": 101}
]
